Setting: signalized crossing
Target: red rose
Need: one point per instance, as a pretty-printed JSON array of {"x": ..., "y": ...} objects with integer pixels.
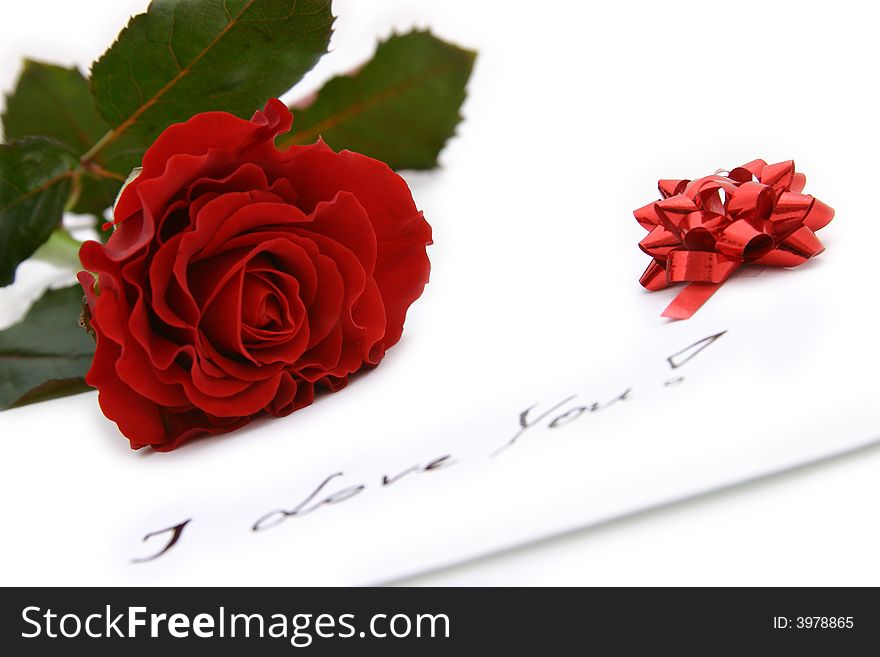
[{"x": 239, "y": 277}]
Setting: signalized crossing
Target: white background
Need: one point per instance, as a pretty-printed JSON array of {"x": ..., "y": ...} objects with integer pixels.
[{"x": 574, "y": 111}]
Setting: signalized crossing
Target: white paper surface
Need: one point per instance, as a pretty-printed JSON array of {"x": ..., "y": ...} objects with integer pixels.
[
  {"x": 399, "y": 499},
  {"x": 534, "y": 298}
]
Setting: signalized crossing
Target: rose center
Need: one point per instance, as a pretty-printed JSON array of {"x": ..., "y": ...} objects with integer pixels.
[
  {"x": 262, "y": 306},
  {"x": 268, "y": 316}
]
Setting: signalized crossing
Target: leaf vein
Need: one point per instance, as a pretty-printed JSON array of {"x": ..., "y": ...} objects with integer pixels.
[
  {"x": 36, "y": 190},
  {"x": 364, "y": 104},
  {"x": 144, "y": 106}
]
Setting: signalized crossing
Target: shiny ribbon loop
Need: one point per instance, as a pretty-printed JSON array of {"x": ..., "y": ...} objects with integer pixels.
[{"x": 701, "y": 231}]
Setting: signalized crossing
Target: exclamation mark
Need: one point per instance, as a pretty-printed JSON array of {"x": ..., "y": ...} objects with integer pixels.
[{"x": 679, "y": 358}]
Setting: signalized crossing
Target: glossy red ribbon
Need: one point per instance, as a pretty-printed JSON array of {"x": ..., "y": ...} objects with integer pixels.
[{"x": 702, "y": 230}]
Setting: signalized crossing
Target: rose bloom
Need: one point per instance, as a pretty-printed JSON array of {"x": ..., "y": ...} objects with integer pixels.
[{"x": 240, "y": 277}]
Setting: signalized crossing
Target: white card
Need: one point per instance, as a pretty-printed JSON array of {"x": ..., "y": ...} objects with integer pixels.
[
  {"x": 534, "y": 304},
  {"x": 697, "y": 406}
]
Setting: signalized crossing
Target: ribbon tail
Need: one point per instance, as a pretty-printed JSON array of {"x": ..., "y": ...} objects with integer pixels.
[{"x": 689, "y": 300}]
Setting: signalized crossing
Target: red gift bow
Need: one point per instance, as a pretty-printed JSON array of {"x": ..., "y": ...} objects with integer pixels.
[{"x": 701, "y": 231}]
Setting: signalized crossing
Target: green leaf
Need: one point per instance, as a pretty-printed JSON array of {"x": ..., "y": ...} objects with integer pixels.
[
  {"x": 55, "y": 102},
  {"x": 47, "y": 352},
  {"x": 400, "y": 108},
  {"x": 95, "y": 196},
  {"x": 181, "y": 58},
  {"x": 35, "y": 180},
  {"x": 61, "y": 250}
]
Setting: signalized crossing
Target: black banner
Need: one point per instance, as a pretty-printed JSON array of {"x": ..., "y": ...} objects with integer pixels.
[{"x": 434, "y": 621}]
